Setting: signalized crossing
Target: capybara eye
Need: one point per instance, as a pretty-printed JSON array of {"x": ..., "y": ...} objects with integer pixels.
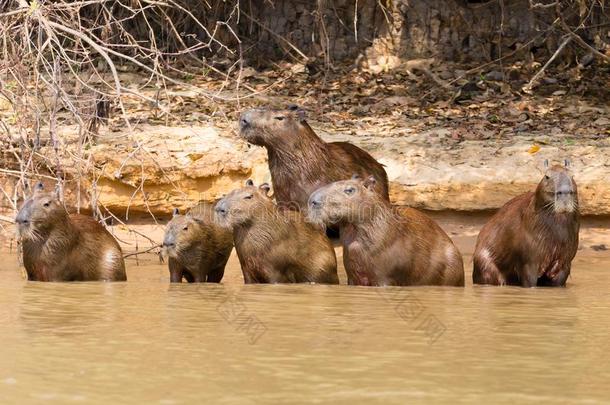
[
  {"x": 546, "y": 177},
  {"x": 47, "y": 204},
  {"x": 279, "y": 118},
  {"x": 248, "y": 197},
  {"x": 186, "y": 228},
  {"x": 349, "y": 190}
]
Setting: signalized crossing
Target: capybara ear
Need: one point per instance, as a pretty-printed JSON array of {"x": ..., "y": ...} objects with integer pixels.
[
  {"x": 176, "y": 212},
  {"x": 356, "y": 176},
  {"x": 546, "y": 163},
  {"x": 300, "y": 112},
  {"x": 370, "y": 182},
  {"x": 249, "y": 183},
  {"x": 566, "y": 163},
  {"x": 265, "y": 187}
]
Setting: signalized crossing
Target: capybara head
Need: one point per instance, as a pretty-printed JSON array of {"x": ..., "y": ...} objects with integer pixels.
[
  {"x": 180, "y": 233},
  {"x": 242, "y": 205},
  {"x": 269, "y": 127},
  {"x": 557, "y": 190},
  {"x": 343, "y": 201},
  {"x": 39, "y": 214}
]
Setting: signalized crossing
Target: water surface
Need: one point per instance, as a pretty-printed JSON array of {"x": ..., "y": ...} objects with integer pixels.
[{"x": 147, "y": 341}]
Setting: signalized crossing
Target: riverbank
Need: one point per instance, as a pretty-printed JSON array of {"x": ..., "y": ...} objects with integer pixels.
[{"x": 468, "y": 147}]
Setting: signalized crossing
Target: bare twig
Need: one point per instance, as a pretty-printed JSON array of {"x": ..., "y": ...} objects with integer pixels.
[
  {"x": 542, "y": 5},
  {"x": 530, "y": 84},
  {"x": 142, "y": 251},
  {"x": 7, "y": 219},
  {"x": 582, "y": 42}
]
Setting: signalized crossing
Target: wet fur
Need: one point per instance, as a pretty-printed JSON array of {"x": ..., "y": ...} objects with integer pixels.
[
  {"x": 383, "y": 246},
  {"x": 201, "y": 252},
  {"x": 301, "y": 162},
  {"x": 527, "y": 243},
  {"x": 62, "y": 247},
  {"x": 276, "y": 245}
]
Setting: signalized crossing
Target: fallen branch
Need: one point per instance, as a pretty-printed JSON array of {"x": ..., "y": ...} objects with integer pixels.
[
  {"x": 541, "y": 5},
  {"x": 528, "y": 87},
  {"x": 141, "y": 252},
  {"x": 582, "y": 42}
]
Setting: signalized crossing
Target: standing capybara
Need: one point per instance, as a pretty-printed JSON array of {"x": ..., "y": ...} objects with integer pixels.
[
  {"x": 381, "y": 246},
  {"x": 198, "y": 249},
  {"x": 61, "y": 247},
  {"x": 275, "y": 245},
  {"x": 533, "y": 238},
  {"x": 299, "y": 161}
]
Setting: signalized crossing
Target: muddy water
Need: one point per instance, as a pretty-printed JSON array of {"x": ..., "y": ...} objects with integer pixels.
[{"x": 147, "y": 341}]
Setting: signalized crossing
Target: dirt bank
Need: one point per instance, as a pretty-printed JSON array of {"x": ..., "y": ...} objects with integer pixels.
[{"x": 469, "y": 147}]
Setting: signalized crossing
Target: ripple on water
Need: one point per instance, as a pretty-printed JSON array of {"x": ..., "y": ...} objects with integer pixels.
[{"x": 146, "y": 340}]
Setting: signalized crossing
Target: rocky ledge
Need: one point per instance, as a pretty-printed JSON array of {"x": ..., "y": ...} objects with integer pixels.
[{"x": 158, "y": 168}]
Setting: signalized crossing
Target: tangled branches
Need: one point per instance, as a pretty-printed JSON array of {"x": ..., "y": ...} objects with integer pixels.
[{"x": 63, "y": 64}]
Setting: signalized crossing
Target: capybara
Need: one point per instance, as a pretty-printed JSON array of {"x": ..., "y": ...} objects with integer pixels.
[
  {"x": 299, "y": 160},
  {"x": 62, "y": 247},
  {"x": 197, "y": 248},
  {"x": 382, "y": 246},
  {"x": 533, "y": 238},
  {"x": 275, "y": 245}
]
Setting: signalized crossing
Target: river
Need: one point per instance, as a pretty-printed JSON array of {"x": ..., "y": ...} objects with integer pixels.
[{"x": 148, "y": 341}]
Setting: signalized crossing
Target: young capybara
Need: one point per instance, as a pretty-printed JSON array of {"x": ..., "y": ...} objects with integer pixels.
[
  {"x": 275, "y": 245},
  {"x": 62, "y": 247},
  {"x": 533, "y": 238},
  {"x": 299, "y": 160},
  {"x": 197, "y": 248},
  {"x": 381, "y": 246}
]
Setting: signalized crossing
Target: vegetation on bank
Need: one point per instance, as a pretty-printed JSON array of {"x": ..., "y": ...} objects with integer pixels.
[{"x": 96, "y": 63}]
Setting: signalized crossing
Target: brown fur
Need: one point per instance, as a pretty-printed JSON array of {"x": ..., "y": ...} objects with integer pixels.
[
  {"x": 198, "y": 249},
  {"x": 531, "y": 240},
  {"x": 275, "y": 245},
  {"x": 382, "y": 247},
  {"x": 62, "y": 247},
  {"x": 301, "y": 162}
]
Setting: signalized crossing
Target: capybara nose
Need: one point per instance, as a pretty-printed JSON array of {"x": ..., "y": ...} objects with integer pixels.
[
  {"x": 564, "y": 190},
  {"x": 220, "y": 208},
  {"x": 169, "y": 241},
  {"x": 21, "y": 220},
  {"x": 315, "y": 203},
  {"x": 244, "y": 120}
]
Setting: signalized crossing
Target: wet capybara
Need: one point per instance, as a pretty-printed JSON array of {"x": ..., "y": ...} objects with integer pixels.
[
  {"x": 533, "y": 238},
  {"x": 299, "y": 160},
  {"x": 275, "y": 245},
  {"x": 382, "y": 246},
  {"x": 197, "y": 248},
  {"x": 62, "y": 247}
]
